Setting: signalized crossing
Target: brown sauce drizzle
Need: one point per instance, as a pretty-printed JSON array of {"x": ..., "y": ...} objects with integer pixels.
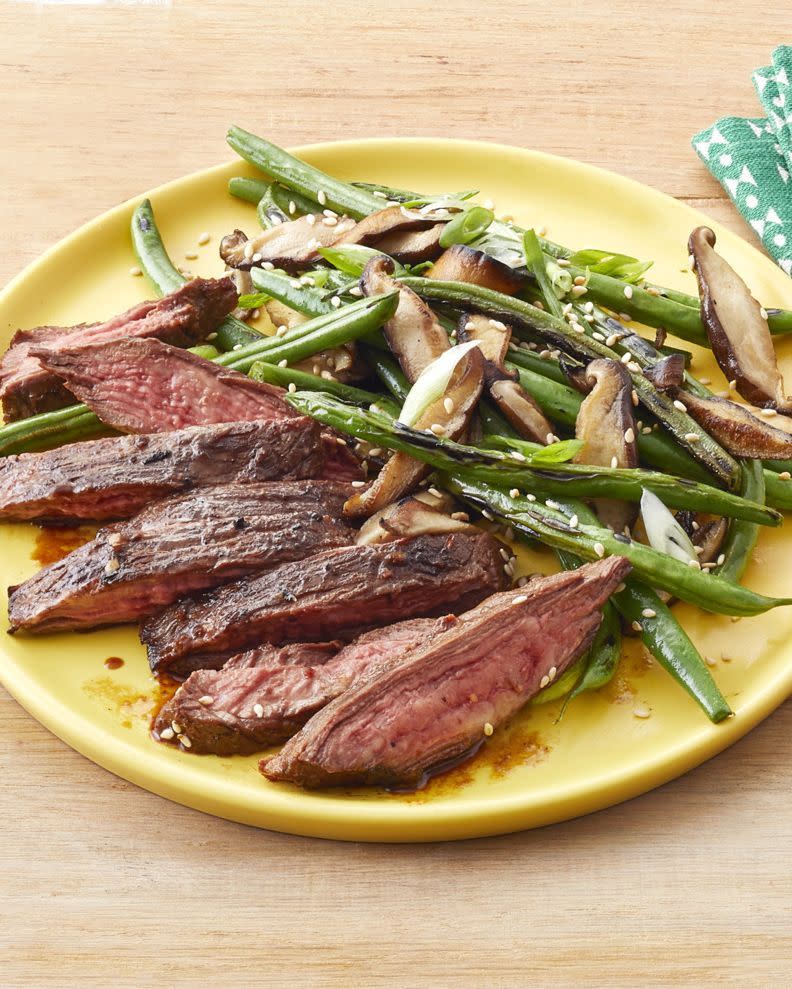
[{"x": 55, "y": 542}]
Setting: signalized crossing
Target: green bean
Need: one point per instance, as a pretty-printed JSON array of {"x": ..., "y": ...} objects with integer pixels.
[
  {"x": 205, "y": 350},
  {"x": 670, "y": 645},
  {"x": 535, "y": 260},
  {"x": 709, "y": 592},
  {"x": 286, "y": 376},
  {"x": 510, "y": 470},
  {"x": 305, "y": 299},
  {"x": 48, "y": 429},
  {"x": 523, "y": 315},
  {"x": 388, "y": 371},
  {"x": 301, "y": 177},
  {"x": 322, "y": 333},
  {"x": 741, "y": 537},
  {"x": 164, "y": 276},
  {"x": 778, "y": 492},
  {"x": 251, "y": 190}
]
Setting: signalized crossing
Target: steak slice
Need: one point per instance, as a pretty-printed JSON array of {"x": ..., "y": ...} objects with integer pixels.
[
  {"x": 292, "y": 654},
  {"x": 336, "y": 594},
  {"x": 404, "y": 717},
  {"x": 182, "y": 318},
  {"x": 183, "y": 544},
  {"x": 145, "y": 386},
  {"x": 115, "y": 477},
  {"x": 240, "y": 710}
]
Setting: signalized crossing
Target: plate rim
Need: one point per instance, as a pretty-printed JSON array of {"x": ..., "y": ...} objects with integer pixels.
[{"x": 433, "y": 820}]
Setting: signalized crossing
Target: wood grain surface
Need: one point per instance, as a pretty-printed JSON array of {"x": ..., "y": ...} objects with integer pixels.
[{"x": 102, "y": 884}]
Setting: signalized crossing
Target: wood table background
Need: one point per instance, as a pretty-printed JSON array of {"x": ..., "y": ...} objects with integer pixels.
[{"x": 102, "y": 884}]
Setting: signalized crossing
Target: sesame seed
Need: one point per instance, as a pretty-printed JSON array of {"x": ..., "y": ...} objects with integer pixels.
[
  {"x": 646, "y": 430},
  {"x": 516, "y": 455},
  {"x": 327, "y": 376},
  {"x": 185, "y": 741},
  {"x": 505, "y": 555},
  {"x": 562, "y": 262},
  {"x": 649, "y": 613},
  {"x": 460, "y": 516},
  {"x": 282, "y": 330},
  {"x": 322, "y": 197},
  {"x": 629, "y": 435},
  {"x": 176, "y": 728},
  {"x": 514, "y": 493},
  {"x": 578, "y": 290},
  {"x": 356, "y": 290},
  {"x": 488, "y": 729},
  {"x": 204, "y": 238},
  {"x": 544, "y": 682},
  {"x": 437, "y": 428},
  {"x": 680, "y": 405},
  {"x": 375, "y": 451},
  {"x": 634, "y": 397},
  {"x": 552, "y": 504},
  {"x": 580, "y": 280},
  {"x": 374, "y": 408},
  {"x": 642, "y": 711},
  {"x": 378, "y": 194},
  {"x": 487, "y": 515},
  {"x": 695, "y": 525},
  {"x": 636, "y": 626},
  {"x": 692, "y": 437},
  {"x": 191, "y": 256},
  {"x": 112, "y": 565},
  {"x": 651, "y": 290},
  {"x": 520, "y": 599},
  {"x": 258, "y": 710},
  {"x": 733, "y": 384},
  {"x": 206, "y": 700},
  {"x": 237, "y": 346},
  {"x": 784, "y": 475},
  {"x": 710, "y": 661},
  {"x": 612, "y": 339},
  {"x": 283, "y": 363},
  {"x": 292, "y": 387},
  {"x": 330, "y": 221},
  {"x": 310, "y": 219},
  {"x": 135, "y": 272},
  {"x": 590, "y": 319},
  {"x": 763, "y": 312},
  {"x": 255, "y": 314},
  {"x": 267, "y": 265},
  {"x": 768, "y": 412},
  {"x": 167, "y": 734},
  {"x": 628, "y": 292},
  {"x": 497, "y": 324},
  {"x": 694, "y": 564},
  {"x": 531, "y": 497},
  {"x": 599, "y": 549},
  {"x": 358, "y": 484},
  {"x": 721, "y": 560},
  {"x": 448, "y": 405},
  {"x": 573, "y": 521},
  {"x": 550, "y": 438},
  {"x": 552, "y": 672},
  {"x": 691, "y": 262},
  {"x": 335, "y": 302}
]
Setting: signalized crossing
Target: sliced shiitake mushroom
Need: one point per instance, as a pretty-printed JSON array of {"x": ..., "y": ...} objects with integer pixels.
[
  {"x": 493, "y": 338},
  {"x": 736, "y": 327},
  {"x": 402, "y": 473},
  {"x": 374, "y": 228},
  {"x": 708, "y": 538},
  {"x": 412, "y": 246},
  {"x": 413, "y": 332},
  {"x": 291, "y": 245},
  {"x": 737, "y": 429},
  {"x": 465, "y": 264},
  {"x": 667, "y": 373},
  {"x": 606, "y": 425},
  {"x": 408, "y": 517}
]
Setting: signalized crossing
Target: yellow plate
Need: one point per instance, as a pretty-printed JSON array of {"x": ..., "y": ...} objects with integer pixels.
[{"x": 535, "y": 773}]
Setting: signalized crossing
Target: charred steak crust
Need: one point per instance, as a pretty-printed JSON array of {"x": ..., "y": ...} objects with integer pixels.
[
  {"x": 182, "y": 318},
  {"x": 402, "y": 718},
  {"x": 339, "y": 593},
  {"x": 250, "y": 705},
  {"x": 180, "y": 545},
  {"x": 115, "y": 477},
  {"x": 146, "y": 386}
]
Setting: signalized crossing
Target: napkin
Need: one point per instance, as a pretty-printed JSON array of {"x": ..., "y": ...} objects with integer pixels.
[{"x": 751, "y": 157}]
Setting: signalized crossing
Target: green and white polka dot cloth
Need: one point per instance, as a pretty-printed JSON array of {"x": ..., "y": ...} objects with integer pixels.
[{"x": 752, "y": 158}]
